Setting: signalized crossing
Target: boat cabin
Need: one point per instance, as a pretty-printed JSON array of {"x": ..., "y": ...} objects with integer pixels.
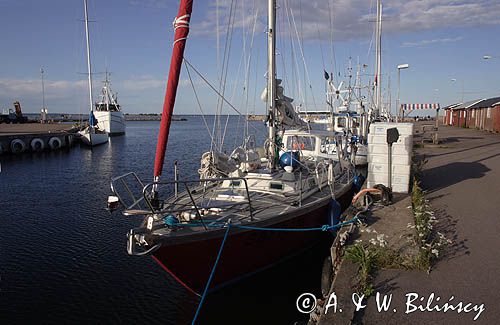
[
  {"x": 105, "y": 107},
  {"x": 316, "y": 143}
]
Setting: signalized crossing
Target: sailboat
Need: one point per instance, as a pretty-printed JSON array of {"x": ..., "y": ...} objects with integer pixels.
[
  {"x": 348, "y": 121},
  {"x": 378, "y": 111},
  {"x": 340, "y": 119},
  {"x": 91, "y": 135},
  {"x": 108, "y": 112},
  {"x": 257, "y": 199}
]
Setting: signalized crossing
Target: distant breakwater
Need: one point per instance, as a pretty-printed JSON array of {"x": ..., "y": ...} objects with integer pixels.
[
  {"x": 151, "y": 117},
  {"x": 55, "y": 117}
]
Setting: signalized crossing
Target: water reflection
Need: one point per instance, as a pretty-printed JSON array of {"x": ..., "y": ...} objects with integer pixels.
[{"x": 63, "y": 256}]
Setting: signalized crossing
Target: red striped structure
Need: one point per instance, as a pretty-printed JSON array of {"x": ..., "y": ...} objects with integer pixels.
[{"x": 411, "y": 107}]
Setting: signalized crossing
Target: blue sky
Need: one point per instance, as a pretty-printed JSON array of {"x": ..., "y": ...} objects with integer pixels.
[{"x": 441, "y": 40}]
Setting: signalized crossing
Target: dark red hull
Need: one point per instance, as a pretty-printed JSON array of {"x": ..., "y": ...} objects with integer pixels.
[{"x": 245, "y": 251}]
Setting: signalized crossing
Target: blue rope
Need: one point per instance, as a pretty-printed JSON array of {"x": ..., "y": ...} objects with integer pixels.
[
  {"x": 211, "y": 274},
  {"x": 322, "y": 228}
]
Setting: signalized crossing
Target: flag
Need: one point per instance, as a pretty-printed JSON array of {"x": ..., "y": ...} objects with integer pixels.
[{"x": 326, "y": 74}]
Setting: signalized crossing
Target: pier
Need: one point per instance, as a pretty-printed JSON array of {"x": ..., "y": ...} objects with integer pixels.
[
  {"x": 459, "y": 177},
  {"x": 34, "y": 137}
]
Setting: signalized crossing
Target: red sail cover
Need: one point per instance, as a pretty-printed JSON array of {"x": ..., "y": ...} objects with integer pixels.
[{"x": 181, "y": 25}]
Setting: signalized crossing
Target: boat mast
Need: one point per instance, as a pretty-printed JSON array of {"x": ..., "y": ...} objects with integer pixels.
[
  {"x": 181, "y": 27},
  {"x": 378, "y": 73},
  {"x": 106, "y": 91},
  {"x": 89, "y": 69},
  {"x": 271, "y": 80},
  {"x": 88, "y": 55}
]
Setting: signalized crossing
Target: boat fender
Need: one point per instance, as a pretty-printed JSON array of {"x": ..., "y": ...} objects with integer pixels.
[
  {"x": 326, "y": 276},
  {"x": 290, "y": 158},
  {"x": 386, "y": 196},
  {"x": 69, "y": 140},
  {"x": 55, "y": 143},
  {"x": 334, "y": 213},
  {"x": 113, "y": 203},
  {"x": 17, "y": 146},
  {"x": 358, "y": 182},
  {"x": 1, "y": 149},
  {"x": 171, "y": 221},
  {"x": 37, "y": 144}
]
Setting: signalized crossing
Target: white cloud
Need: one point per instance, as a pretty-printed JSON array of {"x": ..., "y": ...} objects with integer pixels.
[
  {"x": 149, "y": 82},
  {"x": 428, "y": 14},
  {"x": 352, "y": 18},
  {"x": 143, "y": 83},
  {"x": 30, "y": 87},
  {"x": 423, "y": 43},
  {"x": 60, "y": 95}
]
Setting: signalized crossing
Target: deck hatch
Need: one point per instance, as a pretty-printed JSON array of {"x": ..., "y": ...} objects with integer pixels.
[
  {"x": 276, "y": 186},
  {"x": 235, "y": 183}
]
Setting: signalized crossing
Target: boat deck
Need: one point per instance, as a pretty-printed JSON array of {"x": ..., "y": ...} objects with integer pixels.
[{"x": 210, "y": 207}]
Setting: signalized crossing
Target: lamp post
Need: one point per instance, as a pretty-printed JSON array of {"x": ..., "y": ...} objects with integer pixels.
[
  {"x": 436, "y": 121},
  {"x": 43, "y": 89},
  {"x": 43, "y": 111},
  {"x": 400, "y": 67},
  {"x": 454, "y": 80}
]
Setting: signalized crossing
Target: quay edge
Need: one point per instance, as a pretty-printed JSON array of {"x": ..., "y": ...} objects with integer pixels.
[{"x": 19, "y": 138}]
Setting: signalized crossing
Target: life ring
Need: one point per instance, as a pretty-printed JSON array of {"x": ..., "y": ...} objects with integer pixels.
[
  {"x": 37, "y": 144},
  {"x": 17, "y": 146},
  {"x": 55, "y": 143}
]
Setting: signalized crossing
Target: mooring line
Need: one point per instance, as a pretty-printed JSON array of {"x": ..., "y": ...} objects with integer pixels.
[{"x": 212, "y": 273}]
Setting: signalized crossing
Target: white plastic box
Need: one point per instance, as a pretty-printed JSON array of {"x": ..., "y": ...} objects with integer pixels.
[
  {"x": 383, "y": 168},
  {"x": 382, "y": 178},
  {"x": 401, "y": 156},
  {"x": 378, "y": 149},
  {"x": 396, "y": 159},
  {"x": 404, "y": 129},
  {"x": 405, "y": 140}
]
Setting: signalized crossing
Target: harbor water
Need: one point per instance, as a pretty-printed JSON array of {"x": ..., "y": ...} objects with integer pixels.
[{"x": 63, "y": 256}]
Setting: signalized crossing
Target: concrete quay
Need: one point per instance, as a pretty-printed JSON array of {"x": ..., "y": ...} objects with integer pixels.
[
  {"x": 33, "y": 137},
  {"x": 461, "y": 178}
]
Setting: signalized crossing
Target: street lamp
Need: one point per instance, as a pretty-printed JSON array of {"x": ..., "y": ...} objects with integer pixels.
[
  {"x": 400, "y": 67},
  {"x": 43, "y": 88},
  {"x": 43, "y": 111},
  {"x": 463, "y": 91}
]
